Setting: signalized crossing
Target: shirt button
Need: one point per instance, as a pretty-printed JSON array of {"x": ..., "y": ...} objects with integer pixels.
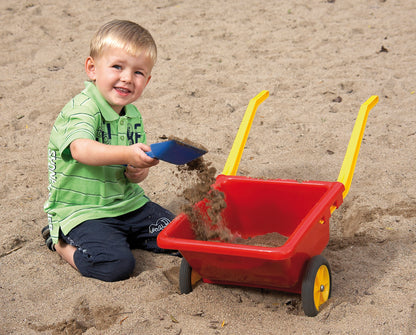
[
  {"x": 122, "y": 138},
  {"x": 122, "y": 122}
]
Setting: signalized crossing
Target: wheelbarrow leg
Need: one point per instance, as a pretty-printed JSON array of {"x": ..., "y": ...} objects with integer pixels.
[{"x": 187, "y": 277}]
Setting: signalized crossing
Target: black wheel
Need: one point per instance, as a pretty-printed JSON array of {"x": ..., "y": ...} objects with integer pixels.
[
  {"x": 316, "y": 285},
  {"x": 185, "y": 277}
]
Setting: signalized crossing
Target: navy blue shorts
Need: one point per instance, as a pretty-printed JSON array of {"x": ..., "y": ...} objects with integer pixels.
[{"x": 104, "y": 245}]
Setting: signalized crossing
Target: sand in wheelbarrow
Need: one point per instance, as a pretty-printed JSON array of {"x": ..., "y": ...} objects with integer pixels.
[{"x": 271, "y": 240}]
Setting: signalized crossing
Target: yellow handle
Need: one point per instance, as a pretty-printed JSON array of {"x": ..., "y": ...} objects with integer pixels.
[
  {"x": 233, "y": 160},
  {"x": 350, "y": 159}
]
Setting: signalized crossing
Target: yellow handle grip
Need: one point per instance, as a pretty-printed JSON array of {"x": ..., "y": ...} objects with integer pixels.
[
  {"x": 233, "y": 160},
  {"x": 350, "y": 159}
]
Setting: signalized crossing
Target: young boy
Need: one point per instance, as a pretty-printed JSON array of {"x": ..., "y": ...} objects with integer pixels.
[{"x": 97, "y": 156}]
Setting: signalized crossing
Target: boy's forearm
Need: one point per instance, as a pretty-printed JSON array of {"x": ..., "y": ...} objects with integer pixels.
[{"x": 91, "y": 152}]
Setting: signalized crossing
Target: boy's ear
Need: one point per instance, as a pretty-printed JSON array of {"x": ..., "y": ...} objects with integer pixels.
[
  {"x": 90, "y": 68},
  {"x": 148, "y": 79}
]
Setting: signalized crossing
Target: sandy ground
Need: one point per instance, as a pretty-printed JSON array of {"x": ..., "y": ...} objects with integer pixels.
[{"x": 214, "y": 56}]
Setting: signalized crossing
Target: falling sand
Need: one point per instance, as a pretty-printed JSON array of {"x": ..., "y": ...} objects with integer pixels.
[{"x": 210, "y": 225}]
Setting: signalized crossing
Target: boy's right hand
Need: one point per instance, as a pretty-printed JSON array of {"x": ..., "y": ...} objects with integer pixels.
[{"x": 139, "y": 158}]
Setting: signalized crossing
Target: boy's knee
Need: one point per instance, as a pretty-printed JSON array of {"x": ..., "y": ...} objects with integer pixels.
[{"x": 118, "y": 267}]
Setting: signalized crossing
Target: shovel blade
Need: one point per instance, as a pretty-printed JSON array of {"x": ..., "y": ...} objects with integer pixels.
[{"x": 175, "y": 152}]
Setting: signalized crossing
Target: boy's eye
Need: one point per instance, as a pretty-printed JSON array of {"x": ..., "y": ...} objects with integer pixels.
[
  {"x": 140, "y": 73},
  {"x": 118, "y": 67}
]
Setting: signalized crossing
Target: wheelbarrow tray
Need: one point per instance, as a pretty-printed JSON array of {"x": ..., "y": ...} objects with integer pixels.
[{"x": 298, "y": 210}]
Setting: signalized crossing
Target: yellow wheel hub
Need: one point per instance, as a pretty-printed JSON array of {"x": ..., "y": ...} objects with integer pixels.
[{"x": 321, "y": 287}]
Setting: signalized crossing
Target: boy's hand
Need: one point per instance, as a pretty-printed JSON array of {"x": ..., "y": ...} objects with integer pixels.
[
  {"x": 138, "y": 169},
  {"x": 139, "y": 158},
  {"x": 136, "y": 175}
]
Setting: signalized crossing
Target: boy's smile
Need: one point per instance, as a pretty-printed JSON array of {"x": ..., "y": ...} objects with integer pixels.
[{"x": 119, "y": 76}]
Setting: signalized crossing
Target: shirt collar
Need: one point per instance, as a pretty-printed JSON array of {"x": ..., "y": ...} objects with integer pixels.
[{"x": 107, "y": 112}]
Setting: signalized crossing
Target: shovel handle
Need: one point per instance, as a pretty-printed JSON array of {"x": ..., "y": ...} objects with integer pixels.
[
  {"x": 350, "y": 159},
  {"x": 233, "y": 160}
]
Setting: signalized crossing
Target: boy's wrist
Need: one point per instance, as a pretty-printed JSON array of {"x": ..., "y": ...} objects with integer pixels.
[{"x": 122, "y": 154}]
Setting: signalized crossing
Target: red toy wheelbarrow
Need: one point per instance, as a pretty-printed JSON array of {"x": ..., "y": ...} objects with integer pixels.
[{"x": 299, "y": 211}]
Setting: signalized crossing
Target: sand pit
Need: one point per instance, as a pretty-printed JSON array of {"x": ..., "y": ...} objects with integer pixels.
[{"x": 320, "y": 60}]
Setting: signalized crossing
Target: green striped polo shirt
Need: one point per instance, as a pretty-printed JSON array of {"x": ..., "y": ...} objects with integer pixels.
[{"x": 79, "y": 192}]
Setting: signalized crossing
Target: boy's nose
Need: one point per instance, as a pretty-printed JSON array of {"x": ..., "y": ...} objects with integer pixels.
[{"x": 126, "y": 76}]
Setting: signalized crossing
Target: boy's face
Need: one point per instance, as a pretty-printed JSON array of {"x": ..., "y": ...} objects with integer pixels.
[{"x": 119, "y": 76}]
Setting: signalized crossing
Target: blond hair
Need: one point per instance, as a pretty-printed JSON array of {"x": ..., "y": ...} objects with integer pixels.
[{"x": 125, "y": 35}]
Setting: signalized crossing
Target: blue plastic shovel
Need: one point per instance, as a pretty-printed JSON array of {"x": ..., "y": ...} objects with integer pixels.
[{"x": 175, "y": 152}]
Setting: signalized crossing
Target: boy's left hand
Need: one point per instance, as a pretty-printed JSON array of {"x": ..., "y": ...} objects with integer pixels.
[{"x": 136, "y": 175}]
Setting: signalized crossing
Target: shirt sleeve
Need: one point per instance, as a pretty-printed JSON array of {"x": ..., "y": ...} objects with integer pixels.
[{"x": 72, "y": 124}]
